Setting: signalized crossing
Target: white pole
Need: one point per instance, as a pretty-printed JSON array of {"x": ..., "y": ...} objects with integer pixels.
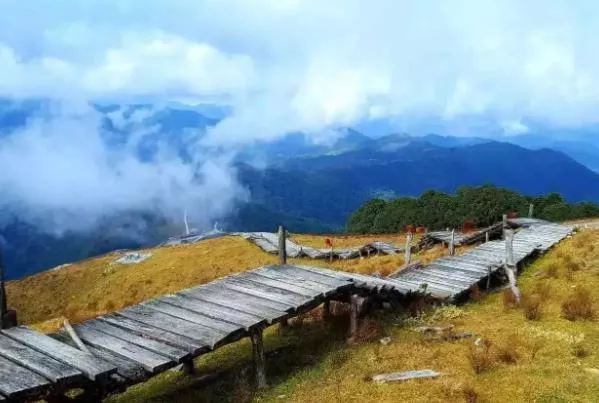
[{"x": 185, "y": 221}]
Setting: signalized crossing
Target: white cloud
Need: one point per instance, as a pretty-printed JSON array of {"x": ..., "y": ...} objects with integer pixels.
[
  {"x": 303, "y": 65},
  {"x": 61, "y": 174},
  {"x": 282, "y": 66}
]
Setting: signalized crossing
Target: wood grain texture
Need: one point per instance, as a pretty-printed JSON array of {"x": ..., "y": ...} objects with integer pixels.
[
  {"x": 42, "y": 364},
  {"x": 93, "y": 368}
]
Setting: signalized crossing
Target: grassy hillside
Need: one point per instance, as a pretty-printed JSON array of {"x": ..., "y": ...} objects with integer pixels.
[
  {"x": 528, "y": 353},
  {"x": 86, "y": 289}
]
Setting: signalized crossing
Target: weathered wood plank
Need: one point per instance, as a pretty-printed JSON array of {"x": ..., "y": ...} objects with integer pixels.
[
  {"x": 295, "y": 289},
  {"x": 433, "y": 288},
  {"x": 454, "y": 273},
  {"x": 148, "y": 360},
  {"x": 194, "y": 347},
  {"x": 129, "y": 370},
  {"x": 17, "y": 382},
  {"x": 214, "y": 311},
  {"x": 452, "y": 277},
  {"x": 218, "y": 288},
  {"x": 192, "y": 316},
  {"x": 175, "y": 325},
  {"x": 300, "y": 273},
  {"x": 92, "y": 367},
  {"x": 404, "y": 376},
  {"x": 275, "y": 274},
  {"x": 439, "y": 283},
  {"x": 51, "y": 369},
  {"x": 455, "y": 267},
  {"x": 266, "y": 292},
  {"x": 173, "y": 353},
  {"x": 238, "y": 301}
]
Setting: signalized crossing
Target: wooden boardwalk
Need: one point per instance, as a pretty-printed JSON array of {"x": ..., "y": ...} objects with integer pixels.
[{"x": 120, "y": 349}]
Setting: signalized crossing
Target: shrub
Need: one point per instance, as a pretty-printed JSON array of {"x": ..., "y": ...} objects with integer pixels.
[
  {"x": 551, "y": 270},
  {"x": 543, "y": 290},
  {"x": 580, "y": 350},
  {"x": 508, "y": 354},
  {"x": 579, "y": 305},
  {"x": 531, "y": 305},
  {"x": 481, "y": 357}
]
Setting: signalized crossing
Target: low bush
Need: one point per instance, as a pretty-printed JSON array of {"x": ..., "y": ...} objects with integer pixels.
[{"x": 579, "y": 305}]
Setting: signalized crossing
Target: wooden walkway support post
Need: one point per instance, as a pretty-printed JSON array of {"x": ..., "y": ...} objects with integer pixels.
[
  {"x": 452, "y": 243},
  {"x": 259, "y": 359},
  {"x": 282, "y": 245},
  {"x": 531, "y": 208},
  {"x": 353, "y": 315},
  {"x": 408, "y": 251},
  {"x": 504, "y": 225},
  {"x": 510, "y": 266},
  {"x": 326, "y": 310},
  {"x": 486, "y": 236}
]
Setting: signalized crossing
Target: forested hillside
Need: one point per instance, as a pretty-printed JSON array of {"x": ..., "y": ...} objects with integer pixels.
[{"x": 481, "y": 205}]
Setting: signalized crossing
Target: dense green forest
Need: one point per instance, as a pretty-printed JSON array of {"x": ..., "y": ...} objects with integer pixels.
[{"x": 482, "y": 205}]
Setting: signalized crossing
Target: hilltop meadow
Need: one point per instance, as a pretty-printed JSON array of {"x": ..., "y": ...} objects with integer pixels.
[{"x": 543, "y": 350}]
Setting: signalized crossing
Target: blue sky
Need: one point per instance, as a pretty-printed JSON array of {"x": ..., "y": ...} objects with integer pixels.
[{"x": 302, "y": 65}]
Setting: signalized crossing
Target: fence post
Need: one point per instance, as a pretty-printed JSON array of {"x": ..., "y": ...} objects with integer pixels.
[
  {"x": 408, "y": 251},
  {"x": 510, "y": 265},
  {"x": 282, "y": 245},
  {"x": 452, "y": 243}
]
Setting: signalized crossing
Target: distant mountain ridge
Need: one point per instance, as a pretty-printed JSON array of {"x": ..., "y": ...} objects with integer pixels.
[{"x": 309, "y": 187}]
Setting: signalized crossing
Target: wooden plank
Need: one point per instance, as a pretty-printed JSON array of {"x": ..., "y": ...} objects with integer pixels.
[
  {"x": 439, "y": 283},
  {"x": 148, "y": 360},
  {"x": 456, "y": 272},
  {"x": 440, "y": 280},
  {"x": 43, "y": 365},
  {"x": 266, "y": 292},
  {"x": 404, "y": 376},
  {"x": 300, "y": 273},
  {"x": 430, "y": 287},
  {"x": 92, "y": 367},
  {"x": 448, "y": 275},
  {"x": 173, "y": 353},
  {"x": 295, "y": 289},
  {"x": 17, "y": 382},
  {"x": 129, "y": 370},
  {"x": 236, "y": 301},
  {"x": 339, "y": 276},
  {"x": 275, "y": 274},
  {"x": 194, "y": 347},
  {"x": 175, "y": 325},
  {"x": 214, "y": 311},
  {"x": 469, "y": 272},
  {"x": 218, "y": 288},
  {"x": 193, "y": 317}
]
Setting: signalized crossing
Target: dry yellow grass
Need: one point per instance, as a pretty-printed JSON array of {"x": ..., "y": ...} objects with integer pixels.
[
  {"x": 98, "y": 285},
  {"x": 549, "y": 359}
]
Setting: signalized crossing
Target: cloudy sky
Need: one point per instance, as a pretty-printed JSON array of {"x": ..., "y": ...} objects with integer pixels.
[
  {"x": 283, "y": 65},
  {"x": 308, "y": 63}
]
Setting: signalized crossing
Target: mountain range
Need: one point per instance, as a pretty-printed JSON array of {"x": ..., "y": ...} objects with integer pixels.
[{"x": 309, "y": 187}]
